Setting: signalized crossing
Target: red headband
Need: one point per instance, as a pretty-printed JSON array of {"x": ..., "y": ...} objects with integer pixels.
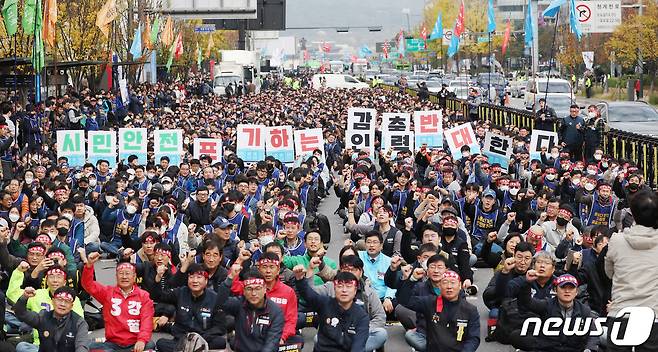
[
  {"x": 150, "y": 239},
  {"x": 56, "y": 255},
  {"x": 164, "y": 252},
  {"x": 254, "y": 281},
  {"x": 56, "y": 271},
  {"x": 60, "y": 192},
  {"x": 123, "y": 266},
  {"x": 450, "y": 221},
  {"x": 43, "y": 239},
  {"x": 451, "y": 275},
  {"x": 534, "y": 235},
  {"x": 269, "y": 261},
  {"x": 605, "y": 186},
  {"x": 64, "y": 296},
  {"x": 37, "y": 249},
  {"x": 565, "y": 213}
]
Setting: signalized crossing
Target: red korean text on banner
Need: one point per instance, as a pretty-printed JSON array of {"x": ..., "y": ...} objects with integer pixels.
[{"x": 429, "y": 123}]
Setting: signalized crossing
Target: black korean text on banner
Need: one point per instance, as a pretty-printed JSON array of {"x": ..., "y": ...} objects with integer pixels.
[
  {"x": 498, "y": 149},
  {"x": 361, "y": 129},
  {"x": 541, "y": 139}
]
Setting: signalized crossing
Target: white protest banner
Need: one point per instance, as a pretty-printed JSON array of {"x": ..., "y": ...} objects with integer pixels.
[
  {"x": 459, "y": 136},
  {"x": 427, "y": 128},
  {"x": 133, "y": 141},
  {"x": 251, "y": 142},
  {"x": 71, "y": 144},
  {"x": 102, "y": 145},
  {"x": 123, "y": 88},
  {"x": 598, "y": 16},
  {"x": 279, "y": 143},
  {"x": 361, "y": 129},
  {"x": 396, "y": 122},
  {"x": 541, "y": 139},
  {"x": 208, "y": 146},
  {"x": 498, "y": 149},
  {"x": 306, "y": 141},
  {"x": 168, "y": 143},
  {"x": 588, "y": 58}
]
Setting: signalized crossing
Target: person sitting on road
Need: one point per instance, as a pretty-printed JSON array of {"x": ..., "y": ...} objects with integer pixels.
[{"x": 127, "y": 309}]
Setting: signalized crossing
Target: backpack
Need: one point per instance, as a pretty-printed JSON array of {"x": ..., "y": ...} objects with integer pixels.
[
  {"x": 508, "y": 314},
  {"x": 192, "y": 342}
]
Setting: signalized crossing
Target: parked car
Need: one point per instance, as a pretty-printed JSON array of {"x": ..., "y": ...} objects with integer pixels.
[
  {"x": 630, "y": 116},
  {"x": 538, "y": 87}
]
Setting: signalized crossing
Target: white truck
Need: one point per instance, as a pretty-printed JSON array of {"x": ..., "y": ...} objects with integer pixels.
[{"x": 236, "y": 66}]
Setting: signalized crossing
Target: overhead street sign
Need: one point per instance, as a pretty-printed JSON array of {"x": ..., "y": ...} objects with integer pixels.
[
  {"x": 598, "y": 16},
  {"x": 415, "y": 45},
  {"x": 204, "y": 28}
]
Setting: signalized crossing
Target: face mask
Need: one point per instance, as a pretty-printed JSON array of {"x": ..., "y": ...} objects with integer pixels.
[
  {"x": 131, "y": 209},
  {"x": 93, "y": 182},
  {"x": 167, "y": 187},
  {"x": 29, "y": 180},
  {"x": 565, "y": 166},
  {"x": 237, "y": 208},
  {"x": 50, "y": 194},
  {"x": 449, "y": 231},
  {"x": 604, "y": 164},
  {"x": 62, "y": 231},
  {"x": 550, "y": 177},
  {"x": 131, "y": 177},
  {"x": 423, "y": 264},
  {"x": 513, "y": 191},
  {"x": 14, "y": 217},
  {"x": 150, "y": 175},
  {"x": 591, "y": 114},
  {"x": 575, "y": 181},
  {"x": 364, "y": 189},
  {"x": 555, "y": 155},
  {"x": 589, "y": 186},
  {"x": 591, "y": 172},
  {"x": 265, "y": 240},
  {"x": 633, "y": 187},
  {"x": 466, "y": 155},
  {"x": 504, "y": 188},
  {"x": 108, "y": 199},
  {"x": 598, "y": 156},
  {"x": 562, "y": 221},
  {"x": 228, "y": 207},
  {"x": 68, "y": 216}
]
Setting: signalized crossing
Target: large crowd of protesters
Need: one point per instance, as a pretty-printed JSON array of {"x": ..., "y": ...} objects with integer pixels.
[{"x": 230, "y": 254}]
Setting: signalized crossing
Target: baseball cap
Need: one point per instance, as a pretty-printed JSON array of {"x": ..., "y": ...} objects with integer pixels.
[
  {"x": 489, "y": 193},
  {"x": 221, "y": 223},
  {"x": 566, "y": 279}
]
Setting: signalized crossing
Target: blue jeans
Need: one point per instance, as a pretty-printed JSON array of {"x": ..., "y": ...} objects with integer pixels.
[
  {"x": 26, "y": 347},
  {"x": 416, "y": 340},
  {"x": 92, "y": 247},
  {"x": 112, "y": 247},
  {"x": 477, "y": 249},
  {"x": 111, "y": 346},
  {"x": 376, "y": 339}
]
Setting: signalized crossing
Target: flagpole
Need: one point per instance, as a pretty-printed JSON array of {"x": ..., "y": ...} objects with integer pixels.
[
  {"x": 37, "y": 78},
  {"x": 16, "y": 76},
  {"x": 550, "y": 62},
  {"x": 490, "y": 71}
]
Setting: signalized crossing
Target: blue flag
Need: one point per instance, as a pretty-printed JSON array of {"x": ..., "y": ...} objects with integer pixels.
[
  {"x": 573, "y": 20},
  {"x": 529, "y": 25},
  {"x": 364, "y": 51},
  {"x": 437, "y": 32},
  {"x": 136, "y": 47},
  {"x": 491, "y": 27},
  {"x": 454, "y": 45},
  {"x": 553, "y": 8}
]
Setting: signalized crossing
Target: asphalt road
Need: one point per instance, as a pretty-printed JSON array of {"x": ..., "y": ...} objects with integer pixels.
[{"x": 395, "y": 342}]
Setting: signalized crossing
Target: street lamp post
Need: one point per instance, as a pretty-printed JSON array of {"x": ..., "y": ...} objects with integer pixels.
[{"x": 407, "y": 12}]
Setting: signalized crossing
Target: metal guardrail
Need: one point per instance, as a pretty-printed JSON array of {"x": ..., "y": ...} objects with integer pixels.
[{"x": 635, "y": 148}]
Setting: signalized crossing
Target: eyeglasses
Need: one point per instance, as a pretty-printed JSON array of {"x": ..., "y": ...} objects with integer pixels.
[
  {"x": 524, "y": 259},
  {"x": 372, "y": 242},
  {"x": 436, "y": 267}
]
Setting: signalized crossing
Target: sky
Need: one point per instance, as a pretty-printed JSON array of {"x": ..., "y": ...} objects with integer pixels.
[{"x": 344, "y": 13}]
